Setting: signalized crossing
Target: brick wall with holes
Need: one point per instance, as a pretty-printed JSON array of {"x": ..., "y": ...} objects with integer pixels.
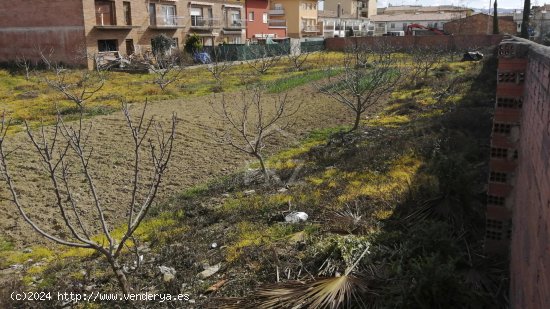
[
  {"x": 518, "y": 196},
  {"x": 447, "y": 42}
]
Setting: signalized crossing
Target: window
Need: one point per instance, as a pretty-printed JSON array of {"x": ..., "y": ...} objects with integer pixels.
[
  {"x": 392, "y": 25},
  {"x": 107, "y": 45},
  {"x": 509, "y": 102},
  {"x": 234, "y": 18},
  {"x": 498, "y": 177},
  {"x": 502, "y": 128},
  {"x": 435, "y": 25},
  {"x": 129, "y": 47},
  {"x": 127, "y": 12},
  {"x": 196, "y": 17},
  {"x": 499, "y": 153},
  {"x": 495, "y": 200},
  {"x": 251, "y": 16},
  {"x": 152, "y": 14},
  {"x": 404, "y": 26},
  {"x": 264, "y": 18},
  {"x": 168, "y": 15},
  {"x": 105, "y": 13}
]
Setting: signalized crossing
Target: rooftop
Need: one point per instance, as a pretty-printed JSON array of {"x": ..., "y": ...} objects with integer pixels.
[{"x": 415, "y": 17}]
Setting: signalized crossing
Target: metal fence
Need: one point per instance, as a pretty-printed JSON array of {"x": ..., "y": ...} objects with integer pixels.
[{"x": 240, "y": 52}]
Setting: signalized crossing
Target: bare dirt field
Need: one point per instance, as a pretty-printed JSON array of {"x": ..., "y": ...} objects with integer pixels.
[{"x": 196, "y": 159}]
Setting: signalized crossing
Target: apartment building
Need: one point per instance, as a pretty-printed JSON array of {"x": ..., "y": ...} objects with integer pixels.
[
  {"x": 347, "y": 17},
  {"x": 68, "y": 27},
  {"x": 265, "y": 19},
  {"x": 300, "y": 17}
]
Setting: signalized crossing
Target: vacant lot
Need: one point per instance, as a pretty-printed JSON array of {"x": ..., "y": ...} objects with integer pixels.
[{"x": 196, "y": 159}]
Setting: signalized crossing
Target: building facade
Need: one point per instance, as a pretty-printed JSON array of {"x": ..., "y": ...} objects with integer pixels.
[
  {"x": 346, "y": 18},
  {"x": 387, "y": 23},
  {"x": 265, "y": 19},
  {"x": 301, "y": 18},
  {"x": 70, "y": 27}
]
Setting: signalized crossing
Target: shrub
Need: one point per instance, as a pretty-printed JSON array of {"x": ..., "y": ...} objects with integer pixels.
[
  {"x": 161, "y": 43},
  {"x": 193, "y": 43}
]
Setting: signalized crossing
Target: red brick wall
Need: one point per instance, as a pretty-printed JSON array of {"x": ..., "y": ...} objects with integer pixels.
[
  {"x": 479, "y": 24},
  {"x": 26, "y": 26},
  {"x": 530, "y": 243},
  {"x": 459, "y": 42}
]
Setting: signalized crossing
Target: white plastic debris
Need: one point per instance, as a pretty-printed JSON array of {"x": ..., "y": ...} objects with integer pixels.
[
  {"x": 296, "y": 216},
  {"x": 168, "y": 273}
]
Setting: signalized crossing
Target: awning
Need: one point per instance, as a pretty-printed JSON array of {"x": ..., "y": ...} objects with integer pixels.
[
  {"x": 233, "y": 6},
  {"x": 201, "y": 3}
]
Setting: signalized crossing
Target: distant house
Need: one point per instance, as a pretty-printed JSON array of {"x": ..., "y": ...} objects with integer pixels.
[
  {"x": 539, "y": 23},
  {"x": 399, "y": 22},
  {"x": 480, "y": 24},
  {"x": 347, "y": 17}
]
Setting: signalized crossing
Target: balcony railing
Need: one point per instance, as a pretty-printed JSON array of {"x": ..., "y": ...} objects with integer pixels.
[
  {"x": 235, "y": 24},
  {"x": 277, "y": 11},
  {"x": 310, "y": 29},
  {"x": 167, "y": 22},
  {"x": 274, "y": 23},
  {"x": 198, "y": 22}
]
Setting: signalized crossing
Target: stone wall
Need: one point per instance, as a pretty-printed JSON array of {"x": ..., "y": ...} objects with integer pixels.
[{"x": 518, "y": 208}]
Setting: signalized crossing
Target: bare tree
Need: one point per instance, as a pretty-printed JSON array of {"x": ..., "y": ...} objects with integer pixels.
[
  {"x": 250, "y": 119},
  {"x": 25, "y": 64},
  {"x": 296, "y": 57},
  {"x": 366, "y": 79},
  {"x": 76, "y": 86},
  {"x": 65, "y": 156},
  {"x": 168, "y": 68},
  {"x": 264, "y": 57},
  {"x": 422, "y": 60},
  {"x": 218, "y": 65}
]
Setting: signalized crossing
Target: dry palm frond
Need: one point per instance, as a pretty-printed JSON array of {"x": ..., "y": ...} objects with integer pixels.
[{"x": 337, "y": 292}]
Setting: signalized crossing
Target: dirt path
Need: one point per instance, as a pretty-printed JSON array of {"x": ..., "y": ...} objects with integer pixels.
[{"x": 196, "y": 159}]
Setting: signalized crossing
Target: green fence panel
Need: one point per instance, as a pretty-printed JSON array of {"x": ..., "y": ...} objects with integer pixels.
[{"x": 311, "y": 46}]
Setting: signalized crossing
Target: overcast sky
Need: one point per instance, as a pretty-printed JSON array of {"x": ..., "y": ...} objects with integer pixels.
[{"x": 478, "y": 4}]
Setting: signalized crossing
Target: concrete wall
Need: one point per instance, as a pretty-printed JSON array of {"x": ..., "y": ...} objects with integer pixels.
[
  {"x": 524, "y": 76},
  {"x": 459, "y": 42},
  {"x": 29, "y": 26}
]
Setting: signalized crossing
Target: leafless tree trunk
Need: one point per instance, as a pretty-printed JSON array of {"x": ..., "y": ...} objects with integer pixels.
[
  {"x": 422, "y": 61},
  {"x": 66, "y": 156},
  {"x": 296, "y": 57},
  {"x": 218, "y": 66},
  {"x": 367, "y": 77},
  {"x": 77, "y": 89},
  {"x": 265, "y": 57},
  {"x": 25, "y": 64},
  {"x": 250, "y": 119},
  {"x": 168, "y": 68}
]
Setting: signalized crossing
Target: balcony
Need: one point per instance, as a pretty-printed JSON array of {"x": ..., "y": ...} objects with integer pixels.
[
  {"x": 168, "y": 22},
  {"x": 310, "y": 29},
  {"x": 201, "y": 23},
  {"x": 277, "y": 11},
  {"x": 277, "y": 23},
  {"x": 235, "y": 24}
]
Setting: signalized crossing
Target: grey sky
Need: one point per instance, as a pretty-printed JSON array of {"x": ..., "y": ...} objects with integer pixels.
[{"x": 480, "y": 4}]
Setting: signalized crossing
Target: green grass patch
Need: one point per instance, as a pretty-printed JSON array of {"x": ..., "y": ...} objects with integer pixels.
[{"x": 287, "y": 83}]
